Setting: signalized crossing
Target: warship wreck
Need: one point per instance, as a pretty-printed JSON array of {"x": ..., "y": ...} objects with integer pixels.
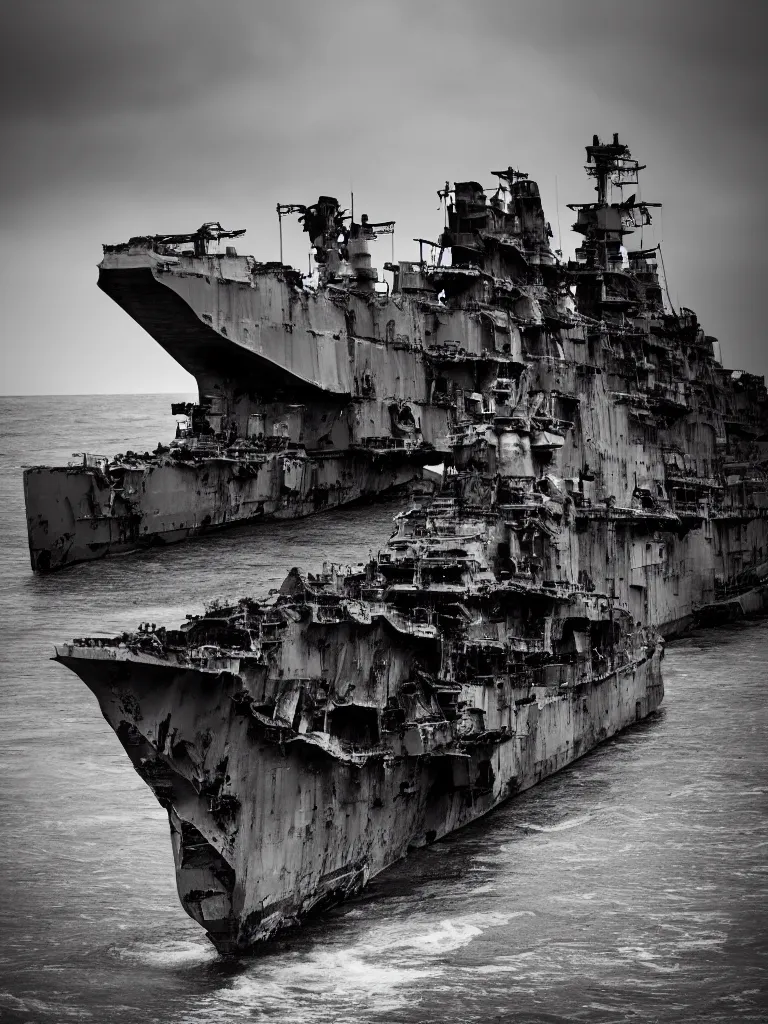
[
  {"x": 604, "y": 484},
  {"x": 313, "y": 392}
]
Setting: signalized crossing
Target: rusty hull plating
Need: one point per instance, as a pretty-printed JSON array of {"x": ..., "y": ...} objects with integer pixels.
[
  {"x": 310, "y": 396},
  {"x": 604, "y": 484},
  {"x": 303, "y": 744},
  {"x": 315, "y": 393}
]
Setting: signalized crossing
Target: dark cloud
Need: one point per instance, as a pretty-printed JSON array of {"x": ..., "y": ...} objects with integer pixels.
[
  {"x": 81, "y": 58},
  {"x": 124, "y": 118}
]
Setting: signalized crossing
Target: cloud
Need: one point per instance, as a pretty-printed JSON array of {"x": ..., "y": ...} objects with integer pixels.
[
  {"x": 85, "y": 58},
  {"x": 120, "y": 119}
]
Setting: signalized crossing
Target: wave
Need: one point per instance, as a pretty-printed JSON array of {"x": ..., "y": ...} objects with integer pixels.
[
  {"x": 174, "y": 953},
  {"x": 562, "y": 827}
]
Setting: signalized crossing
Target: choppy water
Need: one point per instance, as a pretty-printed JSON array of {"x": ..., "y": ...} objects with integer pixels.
[{"x": 632, "y": 887}]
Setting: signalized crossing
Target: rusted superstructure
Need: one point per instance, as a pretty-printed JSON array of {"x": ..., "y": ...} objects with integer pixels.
[
  {"x": 313, "y": 393},
  {"x": 604, "y": 484},
  {"x": 301, "y": 745}
]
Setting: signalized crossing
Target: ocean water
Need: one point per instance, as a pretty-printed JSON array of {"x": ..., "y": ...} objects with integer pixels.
[{"x": 632, "y": 887}]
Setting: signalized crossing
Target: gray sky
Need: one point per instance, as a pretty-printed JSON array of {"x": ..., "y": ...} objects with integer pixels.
[{"x": 133, "y": 118}]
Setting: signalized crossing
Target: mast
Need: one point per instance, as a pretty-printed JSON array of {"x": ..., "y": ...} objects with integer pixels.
[{"x": 605, "y": 223}]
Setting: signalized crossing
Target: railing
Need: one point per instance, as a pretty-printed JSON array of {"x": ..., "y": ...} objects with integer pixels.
[
  {"x": 525, "y": 644},
  {"x": 738, "y": 512},
  {"x": 688, "y": 508},
  {"x": 87, "y": 461},
  {"x": 388, "y": 444}
]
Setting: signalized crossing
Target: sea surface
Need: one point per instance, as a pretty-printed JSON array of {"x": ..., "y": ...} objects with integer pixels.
[{"x": 632, "y": 887}]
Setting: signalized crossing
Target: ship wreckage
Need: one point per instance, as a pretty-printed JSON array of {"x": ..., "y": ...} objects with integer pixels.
[
  {"x": 310, "y": 397},
  {"x": 604, "y": 482}
]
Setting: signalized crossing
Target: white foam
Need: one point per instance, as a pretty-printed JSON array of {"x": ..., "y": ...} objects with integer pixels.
[
  {"x": 564, "y": 826},
  {"x": 38, "y": 1007},
  {"x": 495, "y": 969},
  {"x": 572, "y": 897},
  {"x": 446, "y": 937},
  {"x": 167, "y": 954},
  {"x": 292, "y": 990},
  {"x": 378, "y": 973},
  {"x": 647, "y": 958}
]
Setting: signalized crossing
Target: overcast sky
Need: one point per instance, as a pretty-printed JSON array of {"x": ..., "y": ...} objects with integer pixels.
[{"x": 133, "y": 118}]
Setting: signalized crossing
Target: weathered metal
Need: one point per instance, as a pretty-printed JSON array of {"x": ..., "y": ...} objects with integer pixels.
[{"x": 605, "y": 482}]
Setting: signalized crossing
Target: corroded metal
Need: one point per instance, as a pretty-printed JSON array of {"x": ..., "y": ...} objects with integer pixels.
[{"x": 604, "y": 484}]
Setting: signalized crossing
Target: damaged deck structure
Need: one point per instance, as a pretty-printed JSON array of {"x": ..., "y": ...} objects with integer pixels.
[
  {"x": 302, "y": 745},
  {"x": 605, "y": 483},
  {"x": 312, "y": 394}
]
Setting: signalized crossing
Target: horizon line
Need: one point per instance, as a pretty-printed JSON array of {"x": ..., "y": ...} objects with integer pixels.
[{"x": 94, "y": 394}]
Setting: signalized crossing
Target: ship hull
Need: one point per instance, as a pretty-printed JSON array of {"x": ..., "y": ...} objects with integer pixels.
[
  {"x": 76, "y": 515},
  {"x": 278, "y": 828},
  {"x": 751, "y": 604}
]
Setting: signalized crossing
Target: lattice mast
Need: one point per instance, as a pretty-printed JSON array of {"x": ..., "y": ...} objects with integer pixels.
[{"x": 604, "y": 223}]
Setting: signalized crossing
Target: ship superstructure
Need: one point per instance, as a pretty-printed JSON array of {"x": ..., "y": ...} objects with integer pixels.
[
  {"x": 302, "y": 744},
  {"x": 315, "y": 395},
  {"x": 311, "y": 395},
  {"x": 604, "y": 483}
]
